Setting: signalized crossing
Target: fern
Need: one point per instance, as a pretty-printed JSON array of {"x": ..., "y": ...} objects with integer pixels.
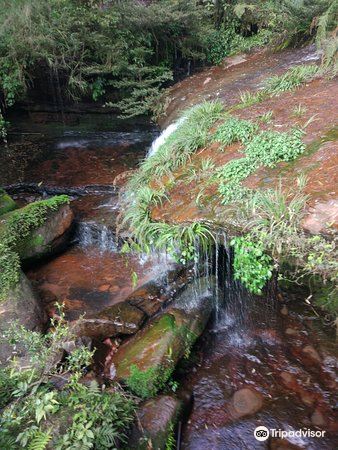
[{"x": 40, "y": 440}]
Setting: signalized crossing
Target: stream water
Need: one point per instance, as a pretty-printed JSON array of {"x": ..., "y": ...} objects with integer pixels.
[{"x": 262, "y": 361}]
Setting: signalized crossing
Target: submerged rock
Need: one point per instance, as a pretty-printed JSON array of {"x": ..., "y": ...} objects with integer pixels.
[
  {"x": 156, "y": 421},
  {"x": 146, "y": 361},
  {"x": 244, "y": 402},
  {"x": 23, "y": 307}
]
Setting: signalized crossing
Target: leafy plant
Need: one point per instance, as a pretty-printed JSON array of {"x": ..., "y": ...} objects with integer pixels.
[
  {"x": 251, "y": 266},
  {"x": 235, "y": 130},
  {"x": 32, "y": 409}
]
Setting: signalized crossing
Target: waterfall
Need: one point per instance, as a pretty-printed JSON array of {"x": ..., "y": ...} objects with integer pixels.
[
  {"x": 162, "y": 138},
  {"x": 91, "y": 233}
]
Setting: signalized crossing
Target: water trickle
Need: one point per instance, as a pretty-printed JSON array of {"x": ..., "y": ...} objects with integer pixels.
[
  {"x": 92, "y": 234},
  {"x": 162, "y": 138}
]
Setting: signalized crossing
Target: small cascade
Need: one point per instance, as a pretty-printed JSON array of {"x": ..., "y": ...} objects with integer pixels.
[
  {"x": 162, "y": 138},
  {"x": 94, "y": 234}
]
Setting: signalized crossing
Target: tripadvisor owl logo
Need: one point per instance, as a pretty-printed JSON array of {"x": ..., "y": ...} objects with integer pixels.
[{"x": 261, "y": 433}]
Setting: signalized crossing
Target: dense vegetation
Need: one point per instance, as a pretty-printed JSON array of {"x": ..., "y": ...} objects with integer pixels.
[
  {"x": 87, "y": 48},
  {"x": 38, "y": 414}
]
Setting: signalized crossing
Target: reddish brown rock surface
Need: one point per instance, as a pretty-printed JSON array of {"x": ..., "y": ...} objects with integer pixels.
[
  {"x": 88, "y": 281},
  {"x": 319, "y": 163}
]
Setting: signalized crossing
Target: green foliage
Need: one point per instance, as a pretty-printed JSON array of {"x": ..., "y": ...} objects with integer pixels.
[
  {"x": 273, "y": 217},
  {"x": 17, "y": 227},
  {"x": 142, "y": 383},
  {"x": 181, "y": 241},
  {"x": 85, "y": 47},
  {"x": 326, "y": 37},
  {"x": 251, "y": 266},
  {"x": 265, "y": 148},
  {"x": 147, "y": 383},
  {"x": 270, "y": 147},
  {"x": 235, "y": 130},
  {"x": 3, "y": 128},
  {"x": 33, "y": 410},
  {"x": 170, "y": 443},
  {"x": 292, "y": 79}
]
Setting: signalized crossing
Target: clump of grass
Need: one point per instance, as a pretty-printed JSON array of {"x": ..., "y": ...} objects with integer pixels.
[
  {"x": 192, "y": 134},
  {"x": 292, "y": 79},
  {"x": 299, "y": 111},
  {"x": 266, "y": 117},
  {"x": 249, "y": 98},
  {"x": 180, "y": 241}
]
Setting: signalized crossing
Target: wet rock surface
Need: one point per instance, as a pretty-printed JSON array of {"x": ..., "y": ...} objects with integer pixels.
[
  {"x": 161, "y": 344},
  {"x": 88, "y": 280},
  {"x": 319, "y": 162},
  {"x": 121, "y": 318},
  {"x": 259, "y": 374},
  {"x": 156, "y": 421}
]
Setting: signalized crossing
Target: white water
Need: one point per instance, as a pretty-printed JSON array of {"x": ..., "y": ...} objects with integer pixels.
[
  {"x": 161, "y": 139},
  {"x": 92, "y": 234}
]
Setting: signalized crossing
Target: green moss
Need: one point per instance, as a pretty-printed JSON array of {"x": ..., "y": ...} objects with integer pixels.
[
  {"x": 16, "y": 227},
  {"x": 6, "y": 203}
]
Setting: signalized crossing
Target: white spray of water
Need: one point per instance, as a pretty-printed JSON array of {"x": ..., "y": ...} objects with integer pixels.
[{"x": 161, "y": 139}]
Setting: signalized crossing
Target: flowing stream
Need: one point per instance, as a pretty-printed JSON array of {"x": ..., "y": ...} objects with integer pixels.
[{"x": 261, "y": 361}]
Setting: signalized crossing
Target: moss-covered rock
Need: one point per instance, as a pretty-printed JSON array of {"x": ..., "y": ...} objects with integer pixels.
[
  {"x": 156, "y": 422},
  {"x": 33, "y": 231},
  {"x": 7, "y": 204},
  {"x": 146, "y": 361},
  {"x": 21, "y": 306},
  {"x": 49, "y": 237}
]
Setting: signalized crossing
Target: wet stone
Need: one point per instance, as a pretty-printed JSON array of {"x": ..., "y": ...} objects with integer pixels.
[
  {"x": 245, "y": 402},
  {"x": 318, "y": 419},
  {"x": 121, "y": 318},
  {"x": 308, "y": 350},
  {"x": 156, "y": 419}
]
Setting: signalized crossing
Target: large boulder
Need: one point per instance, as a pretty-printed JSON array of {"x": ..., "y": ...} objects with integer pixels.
[
  {"x": 23, "y": 307},
  {"x": 146, "y": 361},
  {"x": 50, "y": 237},
  {"x": 157, "y": 418},
  {"x": 46, "y": 239},
  {"x": 6, "y": 202}
]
